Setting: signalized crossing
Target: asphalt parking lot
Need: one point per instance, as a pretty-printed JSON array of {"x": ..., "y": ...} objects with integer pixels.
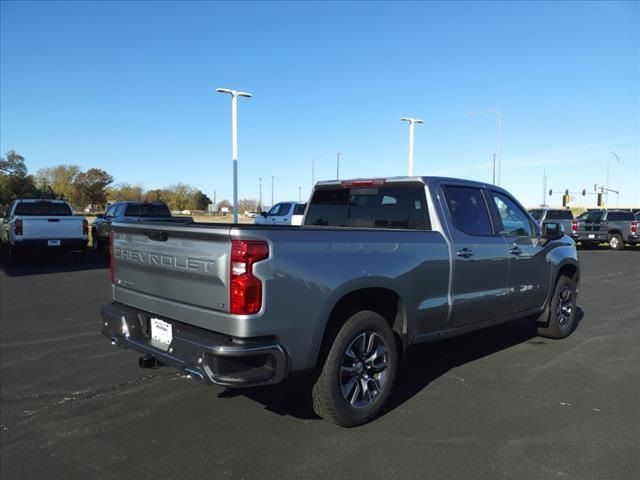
[{"x": 496, "y": 404}]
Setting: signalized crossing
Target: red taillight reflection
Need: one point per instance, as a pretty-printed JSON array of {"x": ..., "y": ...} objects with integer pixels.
[
  {"x": 17, "y": 226},
  {"x": 634, "y": 227},
  {"x": 246, "y": 289},
  {"x": 574, "y": 225}
]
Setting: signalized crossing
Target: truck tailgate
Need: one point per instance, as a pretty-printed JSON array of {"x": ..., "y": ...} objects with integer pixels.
[
  {"x": 51, "y": 228},
  {"x": 185, "y": 264}
]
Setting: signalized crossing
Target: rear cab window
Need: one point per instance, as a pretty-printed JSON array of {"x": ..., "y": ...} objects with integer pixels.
[
  {"x": 620, "y": 216},
  {"x": 299, "y": 209},
  {"x": 389, "y": 206},
  {"x": 43, "y": 209},
  {"x": 147, "y": 210},
  {"x": 559, "y": 215}
]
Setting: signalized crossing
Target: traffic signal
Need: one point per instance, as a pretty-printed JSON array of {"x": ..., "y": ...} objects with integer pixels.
[
  {"x": 565, "y": 200},
  {"x": 550, "y": 192},
  {"x": 600, "y": 199},
  {"x": 584, "y": 192},
  {"x": 566, "y": 192}
]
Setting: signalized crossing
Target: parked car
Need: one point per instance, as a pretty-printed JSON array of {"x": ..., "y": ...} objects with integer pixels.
[
  {"x": 149, "y": 211},
  {"x": 283, "y": 213},
  {"x": 42, "y": 224},
  {"x": 617, "y": 227},
  {"x": 563, "y": 216},
  {"x": 378, "y": 265}
]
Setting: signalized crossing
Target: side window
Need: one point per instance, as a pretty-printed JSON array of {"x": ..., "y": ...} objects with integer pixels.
[
  {"x": 619, "y": 216},
  {"x": 468, "y": 210},
  {"x": 111, "y": 211},
  {"x": 515, "y": 221},
  {"x": 279, "y": 210},
  {"x": 120, "y": 210},
  {"x": 299, "y": 210}
]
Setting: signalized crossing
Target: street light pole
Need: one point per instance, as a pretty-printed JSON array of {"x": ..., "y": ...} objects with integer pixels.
[
  {"x": 338, "y": 166},
  {"x": 272, "y": 191},
  {"x": 260, "y": 180},
  {"x": 499, "y": 165},
  {"x": 608, "y": 159},
  {"x": 234, "y": 142},
  {"x": 412, "y": 123}
]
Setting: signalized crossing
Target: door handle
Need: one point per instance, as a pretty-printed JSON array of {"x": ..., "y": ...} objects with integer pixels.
[
  {"x": 464, "y": 253},
  {"x": 515, "y": 251}
]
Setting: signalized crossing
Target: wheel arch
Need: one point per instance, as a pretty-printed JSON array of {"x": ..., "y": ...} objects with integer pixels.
[{"x": 383, "y": 300}]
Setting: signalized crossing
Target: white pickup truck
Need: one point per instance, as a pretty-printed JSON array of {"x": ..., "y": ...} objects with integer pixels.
[
  {"x": 283, "y": 213},
  {"x": 41, "y": 224}
]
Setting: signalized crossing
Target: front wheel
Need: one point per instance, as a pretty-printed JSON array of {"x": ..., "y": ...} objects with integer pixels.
[
  {"x": 562, "y": 310},
  {"x": 358, "y": 373}
]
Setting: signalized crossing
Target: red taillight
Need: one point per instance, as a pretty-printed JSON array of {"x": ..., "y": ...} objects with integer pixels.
[
  {"x": 574, "y": 225},
  {"x": 634, "y": 227},
  {"x": 374, "y": 182},
  {"x": 17, "y": 226},
  {"x": 111, "y": 274},
  {"x": 246, "y": 289},
  {"x": 85, "y": 227}
]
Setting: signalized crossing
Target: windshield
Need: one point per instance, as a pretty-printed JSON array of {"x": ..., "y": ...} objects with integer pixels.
[
  {"x": 147, "y": 210},
  {"x": 43, "y": 209}
]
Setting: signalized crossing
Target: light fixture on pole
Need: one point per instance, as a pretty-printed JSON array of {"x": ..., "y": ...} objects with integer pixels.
[
  {"x": 234, "y": 142},
  {"x": 412, "y": 123},
  {"x": 496, "y": 179}
]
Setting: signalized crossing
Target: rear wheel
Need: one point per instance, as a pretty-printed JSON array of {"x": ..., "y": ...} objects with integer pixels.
[
  {"x": 562, "y": 310},
  {"x": 358, "y": 373},
  {"x": 14, "y": 254},
  {"x": 97, "y": 244},
  {"x": 615, "y": 242}
]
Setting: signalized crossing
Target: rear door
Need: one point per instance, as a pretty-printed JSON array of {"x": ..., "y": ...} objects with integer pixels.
[
  {"x": 529, "y": 271},
  {"x": 280, "y": 214},
  {"x": 480, "y": 256}
]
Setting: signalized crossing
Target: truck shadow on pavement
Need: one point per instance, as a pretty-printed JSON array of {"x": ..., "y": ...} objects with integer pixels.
[
  {"x": 423, "y": 364},
  {"x": 42, "y": 263}
]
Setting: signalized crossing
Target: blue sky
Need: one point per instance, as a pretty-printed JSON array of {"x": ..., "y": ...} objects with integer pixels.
[{"x": 129, "y": 87}]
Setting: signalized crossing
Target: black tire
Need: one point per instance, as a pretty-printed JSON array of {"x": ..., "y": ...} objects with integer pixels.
[
  {"x": 97, "y": 243},
  {"x": 616, "y": 242},
  {"x": 561, "y": 315},
  {"x": 368, "y": 381}
]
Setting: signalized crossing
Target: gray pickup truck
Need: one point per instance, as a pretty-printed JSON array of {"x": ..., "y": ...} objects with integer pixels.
[
  {"x": 616, "y": 227},
  {"x": 377, "y": 266},
  {"x": 563, "y": 216}
]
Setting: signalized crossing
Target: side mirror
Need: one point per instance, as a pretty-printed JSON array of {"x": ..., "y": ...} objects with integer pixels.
[
  {"x": 552, "y": 231},
  {"x": 264, "y": 214},
  {"x": 100, "y": 215}
]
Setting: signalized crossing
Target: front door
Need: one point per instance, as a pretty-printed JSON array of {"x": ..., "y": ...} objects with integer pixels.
[
  {"x": 480, "y": 256},
  {"x": 529, "y": 270}
]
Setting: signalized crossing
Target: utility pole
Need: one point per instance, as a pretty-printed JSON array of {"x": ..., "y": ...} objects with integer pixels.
[
  {"x": 493, "y": 178},
  {"x": 272, "y": 191},
  {"x": 544, "y": 185},
  {"x": 338, "y": 166},
  {"x": 260, "y": 180},
  {"x": 299, "y": 194}
]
